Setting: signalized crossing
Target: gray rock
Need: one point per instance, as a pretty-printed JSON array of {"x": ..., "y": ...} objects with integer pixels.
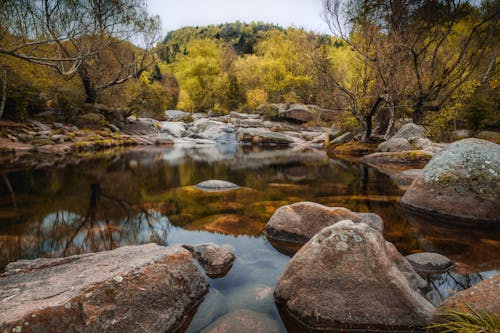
[
  {"x": 300, "y": 221},
  {"x": 348, "y": 276},
  {"x": 243, "y": 321},
  {"x": 462, "y": 182},
  {"x": 410, "y": 131},
  {"x": 164, "y": 142},
  {"x": 215, "y": 260},
  {"x": 58, "y": 125},
  {"x": 174, "y": 128},
  {"x": 395, "y": 145},
  {"x": 430, "y": 263},
  {"x": 57, "y": 138},
  {"x": 263, "y": 137},
  {"x": 344, "y": 138},
  {"x": 102, "y": 292},
  {"x": 175, "y": 115},
  {"x": 215, "y": 185}
]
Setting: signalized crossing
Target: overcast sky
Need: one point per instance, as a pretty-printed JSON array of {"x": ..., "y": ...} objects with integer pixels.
[{"x": 179, "y": 13}]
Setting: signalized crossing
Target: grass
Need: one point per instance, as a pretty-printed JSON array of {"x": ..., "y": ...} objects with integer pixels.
[{"x": 471, "y": 321}]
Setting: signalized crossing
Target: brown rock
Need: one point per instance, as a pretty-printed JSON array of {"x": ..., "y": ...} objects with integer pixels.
[
  {"x": 352, "y": 149},
  {"x": 215, "y": 260},
  {"x": 348, "y": 276},
  {"x": 243, "y": 321},
  {"x": 297, "y": 112},
  {"x": 300, "y": 221},
  {"x": 483, "y": 297},
  {"x": 415, "y": 158},
  {"x": 136, "y": 288}
]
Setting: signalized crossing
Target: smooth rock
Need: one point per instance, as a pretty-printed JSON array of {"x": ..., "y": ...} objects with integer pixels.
[
  {"x": 344, "y": 138},
  {"x": 460, "y": 182},
  {"x": 243, "y": 321},
  {"x": 297, "y": 112},
  {"x": 263, "y": 136},
  {"x": 394, "y": 145},
  {"x": 175, "y": 115},
  {"x": 300, "y": 221},
  {"x": 215, "y": 185},
  {"x": 410, "y": 130},
  {"x": 348, "y": 276},
  {"x": 174, "y": 128},
  {"x": 215, "y": 260},
  {"x": 430, "y": 263},
  {"x": 148, "y": 287}
]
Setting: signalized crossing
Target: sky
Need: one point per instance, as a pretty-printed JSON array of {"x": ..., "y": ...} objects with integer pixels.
[{"x": 180, "y": 13}]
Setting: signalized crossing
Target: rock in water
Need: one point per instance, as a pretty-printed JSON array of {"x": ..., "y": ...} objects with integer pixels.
[
  {"x": 297, "y": 112},
  {"x": 215, "y": 260},
  {"x": 430, "y": 263},
  {"x": 216, "y": 185},
  {"x": 462, "y": 181},
  {"x": 482, "y": 297},
  {"x": 348, "y": 276},
  {"x": 132, "y": 288},
  {"x": 300, "y": 221},
  {"x": 243, "y": 321}
]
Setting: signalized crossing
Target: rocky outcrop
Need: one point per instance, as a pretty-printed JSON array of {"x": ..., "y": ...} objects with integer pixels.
[
  {"x": 215, "y": 260},
  {"x": 461, "y": 182},
  {"x": 426, "y": 263},
  {"x": 482, "y": 297},
  {"x": 139, "y": 288},
  {"x": 174, "y": 128},
  {"x": 348, "y": 276},
  {"x": 215, "y": 185},
  {"x": 175, "y": 115},
  {"x": 243, "y": 321},
  {"x": 300, "y": 221}
]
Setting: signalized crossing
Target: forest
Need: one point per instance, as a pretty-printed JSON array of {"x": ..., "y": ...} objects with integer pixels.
[{"x": 430, "y": 61}]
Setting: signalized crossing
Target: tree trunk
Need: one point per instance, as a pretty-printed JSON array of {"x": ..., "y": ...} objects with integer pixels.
[
  {"x": 418, "y": 113},
  {"x": 390, "y": 126},
  {"x": 88, "y": 87},
  {"x": 4, "y": 92},
  {"x": 368, "y": 128}
]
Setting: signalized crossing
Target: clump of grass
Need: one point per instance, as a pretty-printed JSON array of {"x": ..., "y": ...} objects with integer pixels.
[{"x": 470, "y": 321}]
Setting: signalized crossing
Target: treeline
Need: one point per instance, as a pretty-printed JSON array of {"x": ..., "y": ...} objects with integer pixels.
[{"x": 433, "y": 61}]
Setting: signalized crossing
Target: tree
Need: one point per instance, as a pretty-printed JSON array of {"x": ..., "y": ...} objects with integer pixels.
[{"x": 89, "y": 39}]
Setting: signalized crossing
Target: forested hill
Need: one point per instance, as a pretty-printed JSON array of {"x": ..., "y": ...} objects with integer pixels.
[{"x": 241, "y": 36}]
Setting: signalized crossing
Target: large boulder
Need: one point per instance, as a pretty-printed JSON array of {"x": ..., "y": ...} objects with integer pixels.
[
  {"x": 483, "y": 297},
  {"x": 209, "y": 129},
  {"x": 148, "y": 287},
  {"x": 243, "y": 321},
  {"x": 426, "y": 263},
  {"x": 408, "y": 131},
  {"x": 460, "y": 182},
  {"x": 348, "y": 276},
  {"x": 174, "y": 128},
  {"x": 300, "y": 221},
  {"x": 297, "y": 112}
]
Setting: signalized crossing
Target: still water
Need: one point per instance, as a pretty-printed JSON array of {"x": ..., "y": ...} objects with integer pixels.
[{"x": 141, "y": 196}]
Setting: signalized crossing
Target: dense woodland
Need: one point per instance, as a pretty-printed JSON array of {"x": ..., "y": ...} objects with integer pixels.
[{"x": 433, "y": 61}]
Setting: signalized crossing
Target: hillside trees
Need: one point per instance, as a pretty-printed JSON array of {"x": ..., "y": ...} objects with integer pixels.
[
  {"x": 425, "y": 54},
  {"x": 87, "y": 39}
]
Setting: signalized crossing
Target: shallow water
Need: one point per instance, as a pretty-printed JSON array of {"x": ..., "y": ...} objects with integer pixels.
[{"x": 141, "y": 196}]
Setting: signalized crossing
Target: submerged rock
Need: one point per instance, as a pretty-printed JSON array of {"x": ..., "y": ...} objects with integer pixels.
[
  {"x": 215, "y": 260},
  {"x": 348, "y": 276},
  {"x": 146, "y": 287},
  {"x": 461, "y": 182},
  {"x": 430, "y": 263},
  {"x": 300, "y": 221},
  {"x": 215, "y": 185},
  {"x": 243, "y": 321}
]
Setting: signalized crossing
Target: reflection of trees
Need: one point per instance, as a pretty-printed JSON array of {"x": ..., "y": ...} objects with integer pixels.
[
  {"x": 108, "y": 222},
  {"x": 448, "y": 284}
]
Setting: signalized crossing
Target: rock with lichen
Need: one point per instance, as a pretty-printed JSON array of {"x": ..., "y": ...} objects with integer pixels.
[
  {"x": 140, "y": 288},
  {"x": 348, "y": 277},
  {"x": 462, "y": 181}
]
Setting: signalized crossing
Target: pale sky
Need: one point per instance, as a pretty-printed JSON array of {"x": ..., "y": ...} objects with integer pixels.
[{"x": 299, "y": 13}]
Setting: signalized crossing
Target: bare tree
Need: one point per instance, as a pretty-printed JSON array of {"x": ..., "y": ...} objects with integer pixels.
[{"x": 90, "y": 39}]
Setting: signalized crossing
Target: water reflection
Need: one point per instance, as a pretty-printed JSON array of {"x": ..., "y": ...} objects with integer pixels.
[{"x": 143, "y": 196}]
